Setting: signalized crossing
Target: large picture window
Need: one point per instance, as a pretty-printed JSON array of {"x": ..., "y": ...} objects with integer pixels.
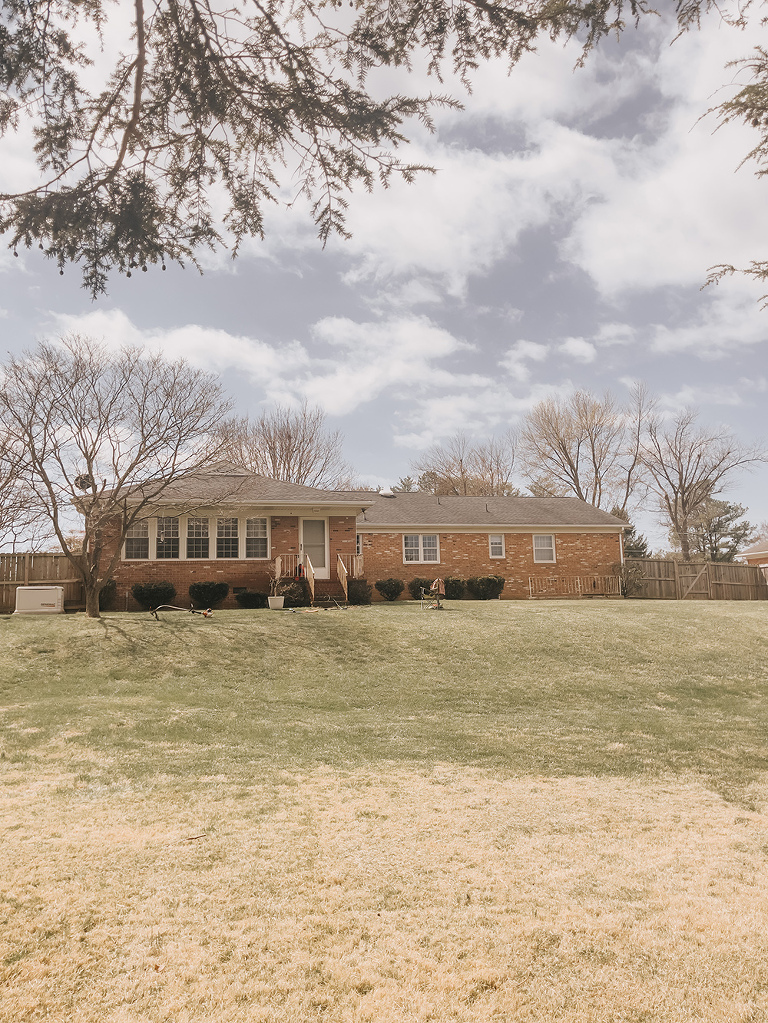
[
  {"x": 137, "y": 540},
  {"x": 420, "y": 547},
  {"x": 256, "y": 541},
  {"x": 544, "y": 548},
  {"x": 167, "y": 545},
  {"x": 227, "y": 543},
  {"x": 197, "y": 537}
]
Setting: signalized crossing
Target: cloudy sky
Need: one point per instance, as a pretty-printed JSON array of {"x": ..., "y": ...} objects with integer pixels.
[{"x": 562, "y": 243}]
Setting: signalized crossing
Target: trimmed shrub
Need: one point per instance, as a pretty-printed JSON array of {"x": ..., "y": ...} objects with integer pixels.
[
  {"x": 390, "y": 589},
  {"x": 208, "y": 594},
  {"x": 107, "y": 596},
  {"x": 485, "y": 587},
  {"x": 359, "y": 591},
  {"x": 455, "y": 588},
  {"x": 295, "y": 591},
  {"x": 153, "y": 594},
  {"x": 250, "y": 598},
  {"x": 415, "y": 586}
]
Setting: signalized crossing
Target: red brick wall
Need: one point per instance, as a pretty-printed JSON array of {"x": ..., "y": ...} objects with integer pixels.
[
  {"x": 467, "y": 554},
  {"x": 237, "y": 572}
]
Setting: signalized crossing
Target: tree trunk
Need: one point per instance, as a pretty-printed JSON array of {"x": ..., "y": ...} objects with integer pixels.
[{"x": 92, "y": 601}]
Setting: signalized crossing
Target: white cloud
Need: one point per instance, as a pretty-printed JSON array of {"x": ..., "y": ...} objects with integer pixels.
[
  {"x": 729, "y": 317},
  {"x": 579, "y": 349},
  {"x": 348, "y": 365},
  {"x": 515, "y": 360},
  {"x": 670, "y": 208}
]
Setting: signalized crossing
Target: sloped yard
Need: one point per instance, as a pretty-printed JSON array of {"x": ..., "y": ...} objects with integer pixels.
[{"x": 542, "y": 812}]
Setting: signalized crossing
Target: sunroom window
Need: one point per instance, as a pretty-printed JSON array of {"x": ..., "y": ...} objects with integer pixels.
[
  {"x": 197, "y": 537},
  {"x": 256, "y": 538},
  {"x": 167, "y": 537},
  {"x": 227, "y": 543},
  {"x": 137, "y": 540}
]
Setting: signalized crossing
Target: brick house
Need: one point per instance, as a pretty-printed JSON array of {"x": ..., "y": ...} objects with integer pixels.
[
  {"x": 233, "y": 526},
  {"x": 540, "y": 545},
  {"x": 757, "y": 555}
]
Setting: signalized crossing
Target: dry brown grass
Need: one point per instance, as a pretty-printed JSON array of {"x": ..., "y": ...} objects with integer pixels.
[{"x": 448, "y": 895}]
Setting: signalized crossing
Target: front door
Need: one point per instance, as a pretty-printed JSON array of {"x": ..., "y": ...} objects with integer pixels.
[{"x": 314, "y": 543}]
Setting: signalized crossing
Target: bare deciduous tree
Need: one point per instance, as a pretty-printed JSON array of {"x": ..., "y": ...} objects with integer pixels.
[
  {"x": 459, "y": 467},
  {"x": 687, "y": 465},
  {"x": 289, "y": 444},
  {"x": 21, "y": 523},
  {"x": 104, "y": 433},
  {"x": 585, "y": 446}
]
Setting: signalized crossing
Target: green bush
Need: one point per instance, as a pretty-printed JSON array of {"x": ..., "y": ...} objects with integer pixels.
[
  {"x": 250, "y": 598},
  {"x": 359, "y": 591},
  {"x": 153, "y": 594},
  {"x": 107, "y": 596},
  {"x": 455, "y": 588},
  {"x": 208, "y": 594},
  {"x": 295, "y": 591},
  {"x": 485, "y": 587},
  {"x": 415, "y": 586},
  {"x": 390, "y": 589}
]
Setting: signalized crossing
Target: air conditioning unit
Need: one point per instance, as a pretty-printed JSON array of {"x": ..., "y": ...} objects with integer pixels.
[{"x": 39, "y": 600}]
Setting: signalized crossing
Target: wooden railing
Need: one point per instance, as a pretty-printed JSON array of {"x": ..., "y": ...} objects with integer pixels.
[
  {"x": 310, "y": 574},
  {"x": 341, "y": 571},
  {"x": 574, "y": 586},
  {"x": 353, "y": 565}
]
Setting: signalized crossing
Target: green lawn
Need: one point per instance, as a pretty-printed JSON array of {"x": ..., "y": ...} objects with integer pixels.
[{"x": 537, "y": 811}]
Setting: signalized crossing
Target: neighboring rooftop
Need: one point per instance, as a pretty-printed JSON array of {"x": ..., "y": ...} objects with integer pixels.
[{"x": 761, "y": 547}]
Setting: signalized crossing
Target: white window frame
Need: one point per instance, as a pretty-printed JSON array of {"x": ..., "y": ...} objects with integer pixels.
[
  {"x": 498, "y": 537},
  {"x": 252, "y": 518},
  {"x": 359, "y": 544},
  {"x": 549, "y": 547},
  {"x": 135, "y": 533},
  {"x": 421, "y": 560},
  {"x": 208, "y": 537}
]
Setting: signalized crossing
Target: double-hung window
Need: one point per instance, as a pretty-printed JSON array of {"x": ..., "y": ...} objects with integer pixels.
[
  {"x": 496, "y": 545},
  {"x": 137, "y": 540},
  {"x": 197, "y": 537},
  {"x": 167, "y": 545},
  {"x": 420, "y": 547},
  {"x": 227, "y": 543},
  {"x": 256, "y": 540},
  {"x": 544, "y": 548}
]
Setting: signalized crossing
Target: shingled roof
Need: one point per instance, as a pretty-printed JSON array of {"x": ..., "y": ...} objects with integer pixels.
[
  {"x": 228, "y": 484},
  {"x": 425, "y": 510}
]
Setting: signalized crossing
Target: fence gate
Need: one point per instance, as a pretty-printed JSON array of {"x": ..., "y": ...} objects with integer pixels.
[{"x": 663, "y": 579}]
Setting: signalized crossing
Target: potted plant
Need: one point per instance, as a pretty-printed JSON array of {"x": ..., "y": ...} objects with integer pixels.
[{"x": 275, "y": 598}]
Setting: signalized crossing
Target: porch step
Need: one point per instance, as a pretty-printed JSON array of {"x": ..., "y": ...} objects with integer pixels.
[{"x": 328, "y": 593}]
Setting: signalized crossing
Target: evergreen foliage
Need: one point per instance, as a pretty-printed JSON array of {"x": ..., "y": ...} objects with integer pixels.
[
  {"x": 208, "y": 594},
  {"x": 390, "y": 589},
  {"x": 455, "y": 588},
  {"x": 251, "y": 599},
  {"x": 359, "y": 591},
  {"x": 153, "y": 594},
  {"x": 415, "y": 586},
  {"x": 485, "y": 587},
  {"x": 205, "y": 102}
]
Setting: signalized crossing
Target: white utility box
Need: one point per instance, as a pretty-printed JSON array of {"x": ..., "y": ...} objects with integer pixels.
[{"x": 39, "y": 600}]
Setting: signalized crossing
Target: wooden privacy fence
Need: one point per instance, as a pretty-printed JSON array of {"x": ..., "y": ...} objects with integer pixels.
[
  {"x": 37, "y": 570},
  {"x": 660, "y": 579}
]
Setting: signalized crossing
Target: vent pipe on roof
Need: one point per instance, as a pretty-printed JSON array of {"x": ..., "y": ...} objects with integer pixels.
[{"x": 386, "y": 492}]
